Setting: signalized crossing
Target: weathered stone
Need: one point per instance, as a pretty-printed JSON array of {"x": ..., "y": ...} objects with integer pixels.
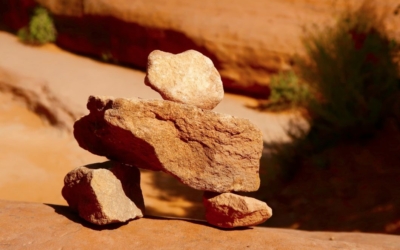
[
  {"x": 105, "y": 193},
  {"x": 229, "y": 210},
  {"x": 203, "y": 149},
  {"x": 188, "y": 78}
]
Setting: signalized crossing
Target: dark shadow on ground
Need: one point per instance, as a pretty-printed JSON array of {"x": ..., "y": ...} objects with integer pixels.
[
  {"x": 273, "y": 178},
  {"x": 74, "y": 217},
  {"x": 351, "y": 186},
  {"x": 172, "y": 189},
  {"x": 196, "y": 221}
]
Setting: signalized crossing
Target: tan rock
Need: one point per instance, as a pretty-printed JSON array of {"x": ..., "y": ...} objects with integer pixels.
[
  {"x": 188, "y": 78},
  {"x": 105, "y": 193},
  {"x": 203, "y": 149},
  {"x": 229, "y": 210}
]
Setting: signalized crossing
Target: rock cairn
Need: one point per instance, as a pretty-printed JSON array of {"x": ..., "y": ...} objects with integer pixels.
[{"x": 180, "y": 135}]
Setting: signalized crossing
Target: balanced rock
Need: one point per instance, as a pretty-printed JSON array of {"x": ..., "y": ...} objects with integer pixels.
[
  {"x": 188, "y": 78},
  {"x": 105, "y": 193},
  {"x": 229, "y": 210},
  {"x": 203, "y": 149}
]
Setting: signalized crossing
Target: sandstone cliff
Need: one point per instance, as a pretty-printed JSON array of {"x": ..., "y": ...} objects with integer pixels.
[{"x": 247, "y": 42}]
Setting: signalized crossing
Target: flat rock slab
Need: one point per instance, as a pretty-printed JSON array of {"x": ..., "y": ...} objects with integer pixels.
[
  {"x": 231, "y": 210},
  {"x": 203, "y": 149},
  {"x": 188, "y": 78},
  {"x": 40, "y": 226},
  {"x": 104, "y": 193}
]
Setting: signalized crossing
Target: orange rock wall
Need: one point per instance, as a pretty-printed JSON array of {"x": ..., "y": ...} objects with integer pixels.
[
  {"x": 247, "y": 42},
  {"x": 15, "y": 13}
]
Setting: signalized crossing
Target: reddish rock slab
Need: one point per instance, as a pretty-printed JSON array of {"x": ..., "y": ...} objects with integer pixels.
[
  {"x": 104, "y": 193},
  {"x": 229, "y": 210},
  {"x": 45, "y": 226},
  {"x": 203, "y": 149},
  {"x": 188, "y": 78}
]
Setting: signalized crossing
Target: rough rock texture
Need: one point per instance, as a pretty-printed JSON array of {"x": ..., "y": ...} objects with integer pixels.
[
  {"x": 69, "y": 7},
  {"x": 229, "y": 210},
  {"x": 40, "y": 157},
  {"x": 203, "y": 149},
  {"x": 188, "y": 78},
  {"x": 105, "y": 193},
  {"x": 247, "y": 42},
  {"x": 41, "y": 226},
  {"x": 36, "y": 95}
]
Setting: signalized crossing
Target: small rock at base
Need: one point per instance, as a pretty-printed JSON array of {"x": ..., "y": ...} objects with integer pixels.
[
  {"x": 188, "y": 78},
  {"x": 104, "y": 193},
  {"x": 229, "y": 210}
]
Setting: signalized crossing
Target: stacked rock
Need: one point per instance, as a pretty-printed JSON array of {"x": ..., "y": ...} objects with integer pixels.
[{"x": 180, "y": 135}]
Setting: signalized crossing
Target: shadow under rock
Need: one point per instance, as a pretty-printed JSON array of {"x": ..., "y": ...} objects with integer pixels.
[
  {"x": 172, "y": 189},
  {"x": 197, "y": 222},
  {"x": 5, "y": 28},
  {"x": 73, "y": 216},
  {"x": 274, "y": 175},
  {"x": 278, "y": 167},
  {"x": 352, "y": 183}
]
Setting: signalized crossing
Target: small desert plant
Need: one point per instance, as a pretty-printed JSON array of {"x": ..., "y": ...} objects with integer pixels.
[
  {"x": 40, "y": 30},
  {"x": 108, "y": 57},
  {"x": 352, "y": 71},
  {"x": 352, "y": 74},
  {"x": 286, "y": 92}
]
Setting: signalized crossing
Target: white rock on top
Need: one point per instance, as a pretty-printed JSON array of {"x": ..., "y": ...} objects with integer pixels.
[{"x": 188, "y": 78}]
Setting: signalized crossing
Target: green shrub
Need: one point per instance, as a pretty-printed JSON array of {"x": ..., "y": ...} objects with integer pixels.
[
  {"x": 352, "y": 70},
  {"x": 108, "y": 57},
  {"x": 286, "y": 92},
  {"x": 40, "y": 30},
  {"x": 352, "y": 74}
]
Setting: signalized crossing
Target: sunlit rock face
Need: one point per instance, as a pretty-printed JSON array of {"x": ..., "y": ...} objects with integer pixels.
[
  {"x": 203, "y": 149},
  {"x": 247, "y": 42}
]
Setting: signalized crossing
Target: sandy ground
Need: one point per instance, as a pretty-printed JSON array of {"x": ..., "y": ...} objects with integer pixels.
[
  {"x": 56, "y": 227},
  {"x": 34, "y": 157}
]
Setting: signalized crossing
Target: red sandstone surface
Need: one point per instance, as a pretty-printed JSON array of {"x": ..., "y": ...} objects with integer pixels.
[{"x": 47, "y": 226}]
